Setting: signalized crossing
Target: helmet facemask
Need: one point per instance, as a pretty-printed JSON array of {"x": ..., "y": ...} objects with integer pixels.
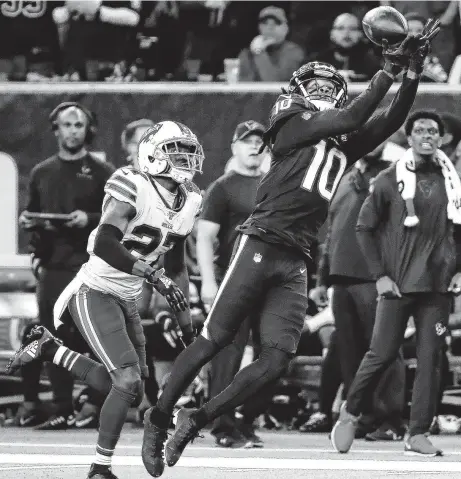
[
  {"x": 321, "y": 84},
  {"x": 183, "y": 157}
]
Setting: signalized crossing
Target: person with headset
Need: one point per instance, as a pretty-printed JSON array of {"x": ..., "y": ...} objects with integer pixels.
[{"x": 70, "y": 186}]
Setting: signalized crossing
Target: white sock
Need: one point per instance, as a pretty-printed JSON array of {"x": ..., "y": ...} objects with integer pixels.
[{"x": 104, "y": 456}]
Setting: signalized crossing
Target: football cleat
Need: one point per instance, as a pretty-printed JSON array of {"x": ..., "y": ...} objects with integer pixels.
[
  {"x": 98, "y": 471},
  {"x": 152, "y": 446},
  {"x": 33, "y": 348},
  {"x": 186, "y": 431},
  {"x": 318, "y": 422}
]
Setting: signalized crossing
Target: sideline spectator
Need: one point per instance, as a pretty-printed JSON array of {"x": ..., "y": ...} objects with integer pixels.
[
  {"x": 353, "y": 304},
  {"x": 29, "y": 47},
  {"x": 408, "y": 229},
  {"x": 98, "y": 38},
  {"x": 270, "y": 57},
  {"x": 70, "y": 182},
  {"x": 348, "y": 50}
]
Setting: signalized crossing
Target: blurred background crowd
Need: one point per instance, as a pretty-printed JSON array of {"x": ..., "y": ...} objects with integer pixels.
[{"x": 212, "y": 40}]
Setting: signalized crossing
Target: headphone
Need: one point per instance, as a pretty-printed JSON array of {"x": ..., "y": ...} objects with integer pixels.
[
  {"x": 130, "y": 129},
  {"x": 92, "y": 121}
]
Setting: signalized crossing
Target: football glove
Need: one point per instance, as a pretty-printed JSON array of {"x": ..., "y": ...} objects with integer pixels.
[
  {"x": 418, "y": 58},
  {"x": 400, "y": 56},
  {"x": 168, "y": 289}
]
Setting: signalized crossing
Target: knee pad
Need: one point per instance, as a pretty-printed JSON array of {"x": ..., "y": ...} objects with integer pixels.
[{"x": 131, "y": 396}]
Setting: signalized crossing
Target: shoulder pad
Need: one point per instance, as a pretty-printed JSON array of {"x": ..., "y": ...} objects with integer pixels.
[
  {"x": 125, "y": 184},
  {"x": 288, "y": 105}
]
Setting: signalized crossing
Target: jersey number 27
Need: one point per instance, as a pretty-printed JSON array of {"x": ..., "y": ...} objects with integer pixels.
[{"x": 325, "y": 170}]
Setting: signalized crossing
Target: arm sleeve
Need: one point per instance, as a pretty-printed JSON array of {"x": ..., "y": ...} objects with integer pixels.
[
  {"x": 382, "y": 125},
  {"x": 107, "y": 245},
  {"x": 373, "y": 211},
  {"x": 214, "y": 204},
  {"x": 312, "y": 126}
]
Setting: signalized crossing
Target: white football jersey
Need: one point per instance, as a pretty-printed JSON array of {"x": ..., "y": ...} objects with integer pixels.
[{"x": 151, "y": 233}]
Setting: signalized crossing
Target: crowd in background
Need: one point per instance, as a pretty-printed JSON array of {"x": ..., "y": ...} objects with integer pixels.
[{"x": 212, "y": 40}]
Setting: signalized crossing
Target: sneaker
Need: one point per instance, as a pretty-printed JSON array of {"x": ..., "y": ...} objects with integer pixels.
[
  {"x": 343, "y": 432},
  {"x": 33, "y": 348},
  {"x": 226, "y": 440},
  {"x": 87, "y": 417},
  {"x": 384, "y": 433},
  {"x": 186, "y": 431},
  {"x": 252, "y": 440},
  {"x": 57, "y": 422},
  {"x": 29, "y": 414},
  {"x": 318, "y": 422},
  {"x": 98, "y": 471},
  {"x": 153, "y": 441},
  {"x": 419, "y": 445}
]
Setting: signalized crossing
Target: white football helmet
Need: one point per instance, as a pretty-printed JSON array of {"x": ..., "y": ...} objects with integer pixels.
[{"x": 170, "y": 149}]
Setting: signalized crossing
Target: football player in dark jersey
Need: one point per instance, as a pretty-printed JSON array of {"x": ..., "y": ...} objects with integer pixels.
[{"x": 313, "y": 140}]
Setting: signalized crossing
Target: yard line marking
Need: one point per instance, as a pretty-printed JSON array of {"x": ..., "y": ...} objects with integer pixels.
[
  {"x": 397, "y": 450},
  {"x": 247, "y": 463}
]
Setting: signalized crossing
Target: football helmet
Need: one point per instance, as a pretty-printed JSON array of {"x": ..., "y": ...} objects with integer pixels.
[
  {"x": 332, "y": 93},
  {"x": 170, "y": 149}
]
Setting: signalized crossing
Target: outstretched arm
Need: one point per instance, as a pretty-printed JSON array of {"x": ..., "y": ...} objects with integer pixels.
[
  {"x": 382, "y": 125},
  {"x": 311, "y": 126}
]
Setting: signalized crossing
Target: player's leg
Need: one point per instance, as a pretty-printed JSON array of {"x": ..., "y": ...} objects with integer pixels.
[
  {"x": 349, "y": 335},
  {"x": 282, "y": 319},
  {"x": 241, "y": 289},
  {"x": 388, "y": 333},
  {"x": 102, "y": 321},
  {"x": 431, "y": 322}
]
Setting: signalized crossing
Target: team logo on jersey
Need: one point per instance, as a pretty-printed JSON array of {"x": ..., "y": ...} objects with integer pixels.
[
  {"x": 257, "y": 257},
  {"x": 306, "y": 115},
  {"x": 425, "y": 186},
  {"x": 440, "y": 329},
  {"x": 85, "y": 171},
  {"x": 168, "y": 226}
]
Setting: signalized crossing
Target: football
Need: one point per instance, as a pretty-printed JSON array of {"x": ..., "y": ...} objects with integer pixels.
[{"x": 385, "y": 23}]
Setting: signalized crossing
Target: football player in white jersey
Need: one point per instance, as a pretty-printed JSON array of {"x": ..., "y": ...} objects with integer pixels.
[{"x": 147, "y": 212}]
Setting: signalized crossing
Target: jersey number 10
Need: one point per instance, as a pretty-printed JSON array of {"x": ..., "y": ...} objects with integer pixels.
[{"x": 322, "y": 164}]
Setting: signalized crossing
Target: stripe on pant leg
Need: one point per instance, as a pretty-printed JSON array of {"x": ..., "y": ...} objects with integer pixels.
[
  {"x": 227, "y": 276},
  {"x": 95, "y": 343}
]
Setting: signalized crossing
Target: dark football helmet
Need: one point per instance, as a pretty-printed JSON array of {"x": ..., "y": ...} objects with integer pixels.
[{"x": 324, "y": 95}]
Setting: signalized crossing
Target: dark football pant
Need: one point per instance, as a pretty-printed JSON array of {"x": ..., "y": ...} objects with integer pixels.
[
  {"x": 264, "y": 278},
  {"x": 354, "y": 310},
  {"x": 430, "y": 312},
  {"x": 50, "y": 285}
]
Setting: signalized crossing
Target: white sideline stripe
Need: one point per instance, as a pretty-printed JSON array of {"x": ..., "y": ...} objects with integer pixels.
[
  {"x": 29, "y": 468},
  {"x": 246, "y": 463},
  {"x": 222, "y": 286},
  {"x": 398, "y": 450}
]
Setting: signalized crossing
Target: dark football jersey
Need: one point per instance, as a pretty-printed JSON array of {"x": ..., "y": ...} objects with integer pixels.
[{"x": 310, "y": 153}]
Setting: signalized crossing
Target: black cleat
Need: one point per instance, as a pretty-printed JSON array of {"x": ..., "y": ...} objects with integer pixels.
[
  {"x": 152, "y": 446},
  {"x": 186, "y": 431},
  {"x": 98, "y": 471},
  {"x": 33, "y": 348}
]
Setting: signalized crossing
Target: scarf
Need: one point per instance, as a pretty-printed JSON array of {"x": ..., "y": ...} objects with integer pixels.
[{"x": 406, "y": 180}]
